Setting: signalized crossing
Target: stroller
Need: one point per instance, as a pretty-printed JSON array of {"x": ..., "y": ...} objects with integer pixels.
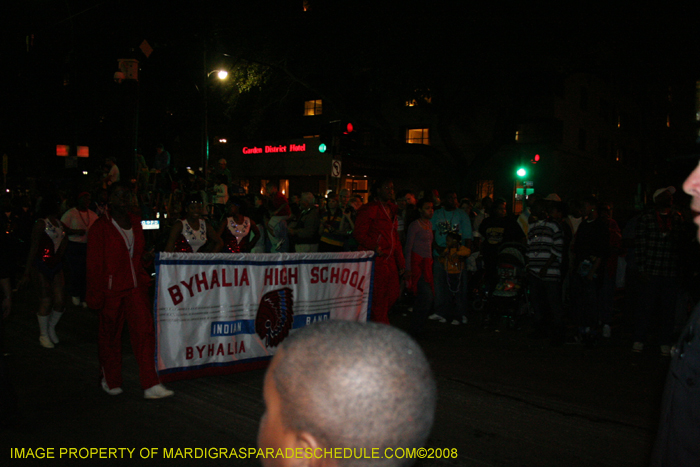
[{"x": 508, "y": 302}]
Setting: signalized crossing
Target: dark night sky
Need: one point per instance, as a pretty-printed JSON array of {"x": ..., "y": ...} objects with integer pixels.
[{"x": 82, "y": 40}]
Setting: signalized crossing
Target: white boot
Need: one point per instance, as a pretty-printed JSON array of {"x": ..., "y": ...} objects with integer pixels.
[
  {"x": 43, "y": 332},
  {"x": 53, "y": 320}
]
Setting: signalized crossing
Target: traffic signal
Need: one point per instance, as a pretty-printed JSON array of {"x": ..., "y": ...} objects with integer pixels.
[
  {"x": 535, "y": 159},
  {"x": 327, "y": 137},
  {"x": 521, "y": 172},
  {"x": 348, "y": 139}
]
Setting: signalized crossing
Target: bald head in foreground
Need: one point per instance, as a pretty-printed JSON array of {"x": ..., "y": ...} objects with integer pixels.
[{"x": 343, "y": 384}]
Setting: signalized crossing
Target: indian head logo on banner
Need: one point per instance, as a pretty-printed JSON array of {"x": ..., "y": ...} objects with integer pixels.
[{"x": 275, "y": 316}]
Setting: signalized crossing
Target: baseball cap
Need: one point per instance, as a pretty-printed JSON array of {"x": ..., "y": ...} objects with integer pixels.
[{"x": 670, "y": 189}]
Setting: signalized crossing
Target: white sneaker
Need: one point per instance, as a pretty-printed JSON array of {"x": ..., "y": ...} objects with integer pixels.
[
  {"x": 75, "y": 300},
  {"x": 464, "y": 319},
  {"x": 435, "y": 316},
  {"x": 606, "y": 331},
  {"x": 637, "y": 347},
  {"x": 455, "y": 322},
  {"x": 45, "y": 342},
  {"x": 157, "y": 392},
  {"x": 83, "y": 304},
  {"x": 111, "y": 392},
  {"x": 442, "y": 320}
]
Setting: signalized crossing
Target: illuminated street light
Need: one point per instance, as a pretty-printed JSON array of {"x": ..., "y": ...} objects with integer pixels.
[{"x": 222, "y": 75}]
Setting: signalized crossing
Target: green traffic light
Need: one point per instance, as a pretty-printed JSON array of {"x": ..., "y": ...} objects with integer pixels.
[
  {"x": 521, "y": 172},
  {"x": 322, "y": 148}
]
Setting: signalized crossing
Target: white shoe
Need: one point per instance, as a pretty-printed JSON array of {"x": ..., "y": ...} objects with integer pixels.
[
  {"x": 606, "y": 331},
  {"x": 45, "y": 342},
  {"x": 455, "y": 322},
  {"x": 52, "y": 334},
  {"x": 83, "y": 304},
  {"x": 75, "y": 300},
  {"x": 54, "y": 317},
  {"x": 637, "y": 347},
  {"x": 435, "y": 316},
  {"x": 464, "y": 319},
  {"x": 111, "y": 392},
  {"x": 442, "y": 320},
  {"x": 157, "y": 392}
]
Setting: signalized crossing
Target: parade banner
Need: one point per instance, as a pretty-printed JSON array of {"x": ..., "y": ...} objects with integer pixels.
[{"x": 218, "y": 313}]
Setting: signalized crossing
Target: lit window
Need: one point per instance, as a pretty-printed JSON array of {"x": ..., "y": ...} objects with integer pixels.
[
  {"x": 314, "y": 107},
  {"x": 668, "y": 121},
  {"x": 417, "y": 136},
  {"x": 484, "y": 188},
  {"x": 517, "y": 136},
  {"x": 245, "y": 185}
]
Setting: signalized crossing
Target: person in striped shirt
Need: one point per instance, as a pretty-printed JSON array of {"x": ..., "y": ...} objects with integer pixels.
[{"x": 545, "y": 249}]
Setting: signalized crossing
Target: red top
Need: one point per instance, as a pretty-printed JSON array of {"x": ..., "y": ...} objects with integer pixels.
[
  {"x": 110, "y": 270},
  {"x": 278, "y": 201},
  {"x": 376, "y": 226}
]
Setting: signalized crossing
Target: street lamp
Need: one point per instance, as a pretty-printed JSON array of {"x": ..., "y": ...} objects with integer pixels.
[{"x": 222, "y": 75}]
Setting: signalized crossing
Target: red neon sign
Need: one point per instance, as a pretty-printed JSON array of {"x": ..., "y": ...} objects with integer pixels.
[
  {"x": 62, "y": 150},
  {"x": 275, "y": 149}
]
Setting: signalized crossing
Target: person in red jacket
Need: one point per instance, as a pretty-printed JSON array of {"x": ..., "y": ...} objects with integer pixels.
[
  {"x": 376, "y": 230},
  {"x": 117, "y": 286}
]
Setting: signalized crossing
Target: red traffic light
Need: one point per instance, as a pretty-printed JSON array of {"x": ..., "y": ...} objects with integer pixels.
[
  {"x": 349, "y": 128},
  {"x": 537, "y": 157}
]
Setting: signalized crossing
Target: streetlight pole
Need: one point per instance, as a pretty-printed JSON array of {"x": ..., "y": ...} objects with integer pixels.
[{"x": 222, "y": 75}]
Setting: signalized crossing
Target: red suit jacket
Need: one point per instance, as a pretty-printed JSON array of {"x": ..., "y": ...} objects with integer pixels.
[
  {"x": 376, "y": 225},
  {"x": 110, "y": 270}
]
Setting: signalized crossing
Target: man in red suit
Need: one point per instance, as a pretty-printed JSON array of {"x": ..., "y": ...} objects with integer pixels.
[
  {"x": 117, "y": 286},
  {"x": 376, "y": 230}
]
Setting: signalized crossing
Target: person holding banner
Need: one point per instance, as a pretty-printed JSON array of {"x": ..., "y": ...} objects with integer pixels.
[
  {"x": 324, "y": 393},
  {"x": 376, "y": 230},
  {"x": 190, "y": 234},
  {"x": 117, "y": 286},
  {"x": 235, "y": 231}
]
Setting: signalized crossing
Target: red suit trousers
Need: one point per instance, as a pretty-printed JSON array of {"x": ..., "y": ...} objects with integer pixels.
[
  {"x": 132, "y": 307},
  {"x": 385, "y": 290}
]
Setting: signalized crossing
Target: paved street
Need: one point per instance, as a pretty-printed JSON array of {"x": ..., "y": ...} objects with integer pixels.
[{"x": 504, "y": 400}]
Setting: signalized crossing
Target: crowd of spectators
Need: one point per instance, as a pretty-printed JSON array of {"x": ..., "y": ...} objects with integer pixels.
[{"x": 579, "y": 257}]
